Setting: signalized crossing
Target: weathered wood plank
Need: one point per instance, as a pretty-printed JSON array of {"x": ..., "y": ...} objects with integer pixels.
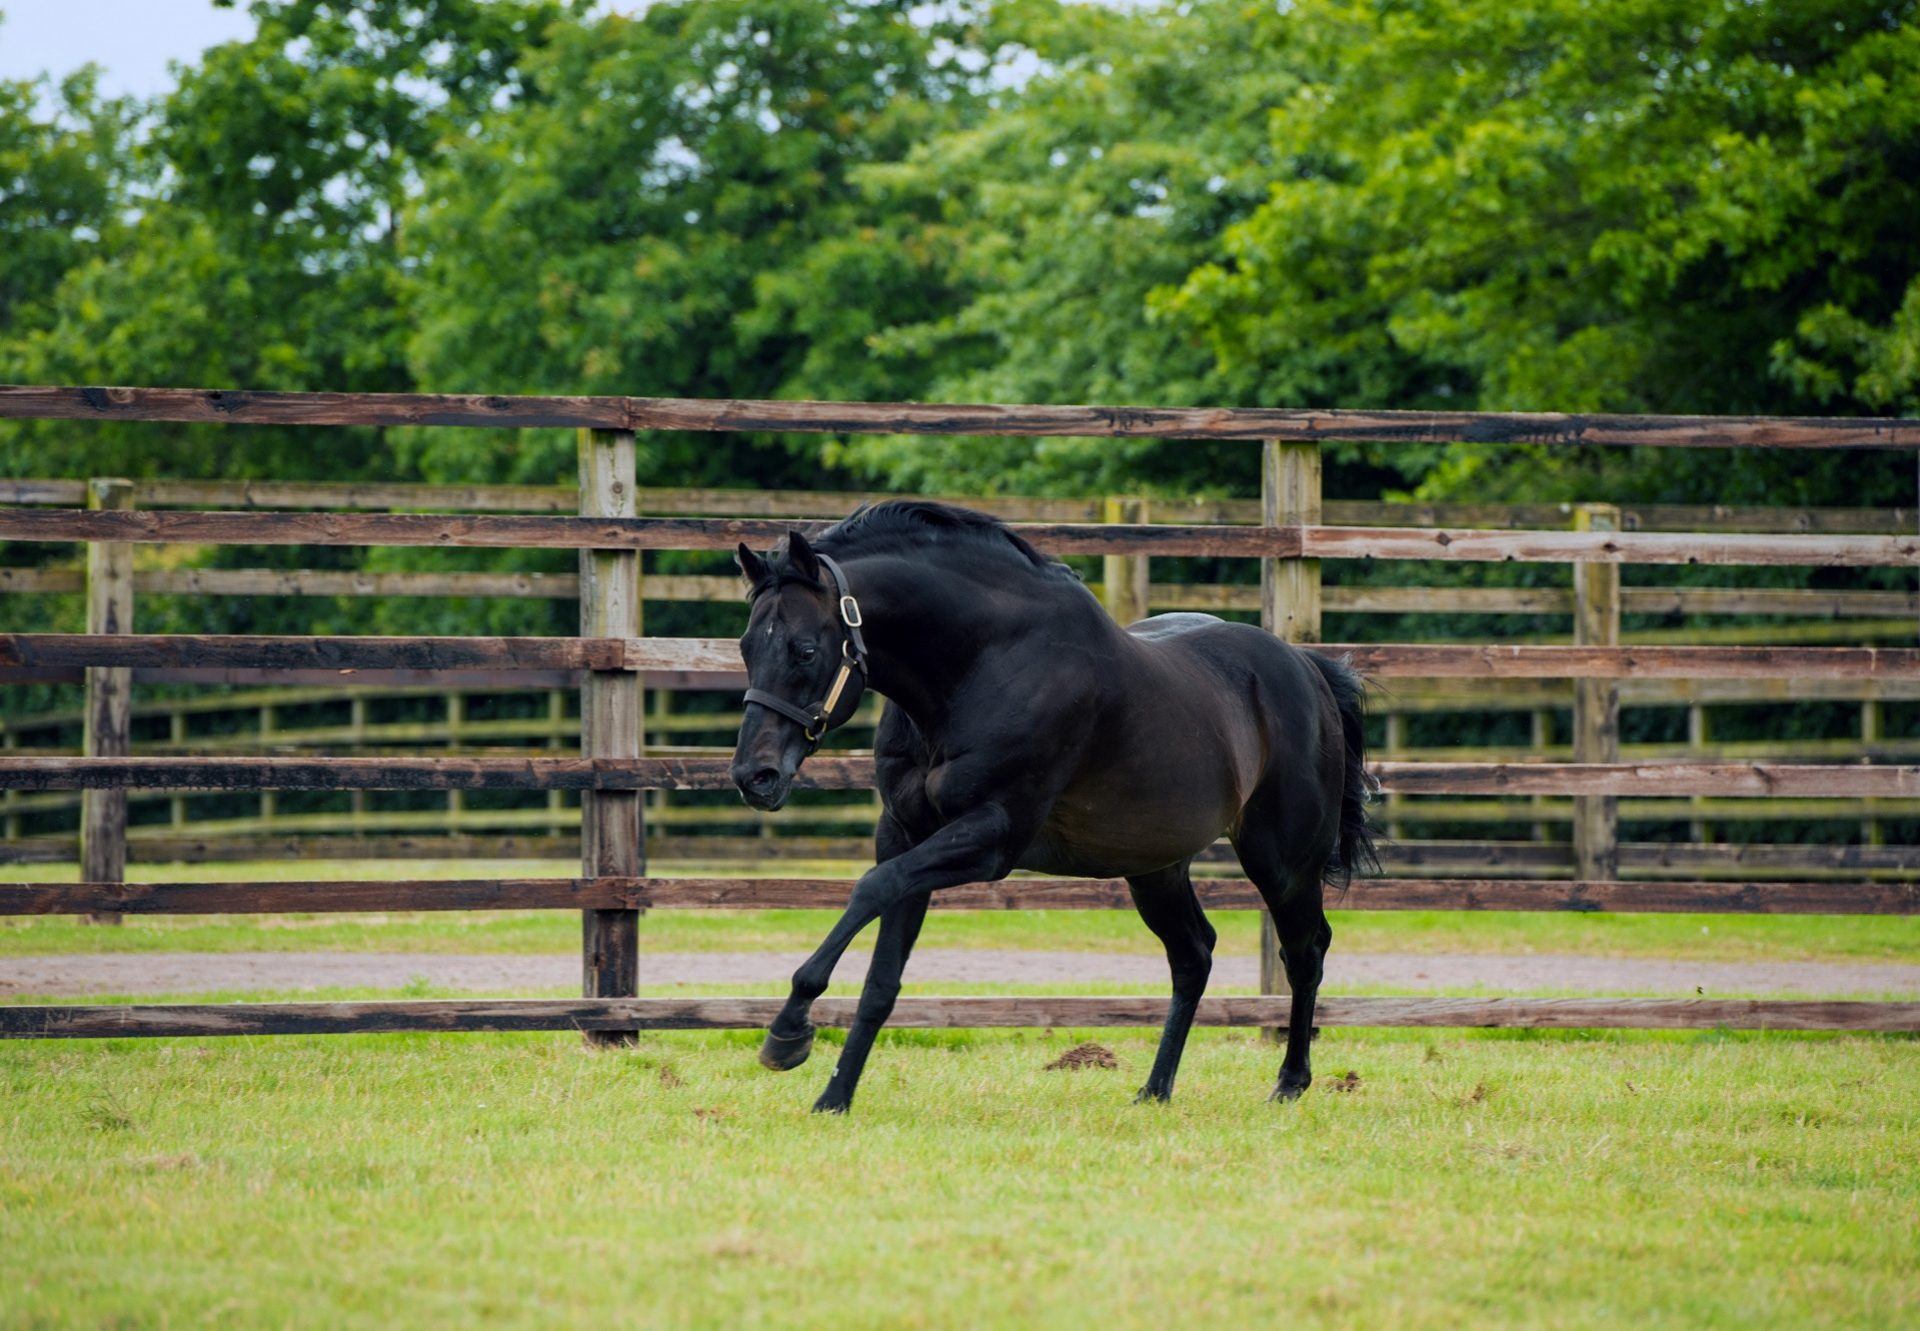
[
  {"x": 441, "y": 773},
  {"x": 1643, "y": 780},
  {"x": 834, "y": 504},
  {"x": 1291, "y": 426},
  {"x": 241, "y": 407},
  {"x": 1524, "y": 859},
  {"x": 1633, "y": 517},
  {"x": 201, "y": 1020},
  {"x": 1596, "y": 702},
  {"x": 616, "y": 893},
  {"x": 583, "y": 533},
  {"x": 492, "y": 530},
  {"x": 1124, "y": 579},
  {"x": 66, "y": 493},
  {"x": 1608, "y": 547},
  {"x": 41, "y": 581},
  {"x": 1362, "y": 600},
  {"x": 215, "y": 652},
  {"x": 310, "y": 582},
  {"x": 1789, "y": 665},
  {"x": 1300, "y": 426},
  {"x": 495, "y": 530},
  {"x": 612, "y": 835},
  {"x": 355, "y": 495},
  {"x": 1290, "y": 496},
  {"x": 109, "y": 696}
]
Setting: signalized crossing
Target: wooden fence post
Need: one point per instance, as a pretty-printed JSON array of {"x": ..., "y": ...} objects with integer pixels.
[
  {"x": 9, "y": 798},
  {"x": 1699, "y": 732},
  {"x": 109, "y": 700},
  {"x": 612, "y": 841},
  {"x": 1394, "y": 748},
  {"x": 556, "y": 721},
  {"x": 1125, "y": 578},
  {"x": 1596, "y": 702},
  {"x": 456, "y": 719},
  {"x": 1542, "y": 741},
  {"x": 1289, "y": 607},
  {"x": 1871, "y": 831}
]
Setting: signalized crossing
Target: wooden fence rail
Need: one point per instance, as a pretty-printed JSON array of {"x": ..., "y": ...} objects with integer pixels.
[
  {"x": 31, "y": 651},
  {"x": 826, "y": 772},
  {"x": 622, "y": 1016},
  {"x": 690, "y": 501},
  {"x": 637, "y": 893},
  {"x": 231, "y": 407},
  {"x": 1904, "y": 607},
  {"x": 1059, "y": 538}
]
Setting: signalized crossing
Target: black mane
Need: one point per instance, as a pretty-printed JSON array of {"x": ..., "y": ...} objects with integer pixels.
[
  {"x": 912, "y": 525},
  {"x": 901, "y": 523}
]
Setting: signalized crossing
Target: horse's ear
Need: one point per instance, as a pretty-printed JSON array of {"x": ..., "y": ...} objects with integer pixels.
[
  {"x": 801, "y": 556},
  {"x": 751, "y": 565}
]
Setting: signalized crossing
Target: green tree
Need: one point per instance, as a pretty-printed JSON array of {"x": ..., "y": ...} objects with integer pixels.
[
  {"x": 265, "y": 251},
  {"x": 1651, "y": 205},
  {"x": 673, "y": 213},
  {"x": 64, "y": 180},
  {"x": 1110, "y": 173}
]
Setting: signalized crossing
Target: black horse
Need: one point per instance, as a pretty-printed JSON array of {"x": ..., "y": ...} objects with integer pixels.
[{"x": 1024, "y": 729}]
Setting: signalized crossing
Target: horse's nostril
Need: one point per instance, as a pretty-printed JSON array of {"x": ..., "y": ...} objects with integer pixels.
[{"x": 765, "y": 779}]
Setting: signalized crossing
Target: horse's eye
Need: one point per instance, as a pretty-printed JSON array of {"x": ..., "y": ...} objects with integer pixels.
[{"x": 806, "y": 653}]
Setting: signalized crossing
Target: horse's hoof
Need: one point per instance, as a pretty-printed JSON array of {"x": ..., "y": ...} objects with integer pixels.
[
  {"x": 784, "y": 1053},
  {"x": 1288, "y": 1091},
  {"x": 1148, "y": 1096},
  {"x": 825, "y": 1106}
]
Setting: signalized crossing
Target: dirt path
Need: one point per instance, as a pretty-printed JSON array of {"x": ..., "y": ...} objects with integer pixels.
[{"x": 206, "y": 972}]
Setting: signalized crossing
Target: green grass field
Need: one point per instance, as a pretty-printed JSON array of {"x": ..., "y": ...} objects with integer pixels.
[
  {"x": 1476, "y": 1180},
  {"x": 1465, "y": 1178}
]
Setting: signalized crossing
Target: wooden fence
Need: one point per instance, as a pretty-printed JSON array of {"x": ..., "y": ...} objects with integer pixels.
[
  {"x": 610, "y": 661},
  {"x": 540, "y": 830}
]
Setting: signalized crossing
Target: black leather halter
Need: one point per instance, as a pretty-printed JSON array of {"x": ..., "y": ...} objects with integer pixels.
[{"x": 815, "y": 718}]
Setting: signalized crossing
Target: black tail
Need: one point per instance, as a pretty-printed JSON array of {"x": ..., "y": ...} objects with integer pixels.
[{"x": 1356, "y": 853}]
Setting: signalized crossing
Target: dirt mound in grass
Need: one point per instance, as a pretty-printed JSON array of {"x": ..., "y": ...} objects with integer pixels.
[{"x": 1084, "y": 1056}]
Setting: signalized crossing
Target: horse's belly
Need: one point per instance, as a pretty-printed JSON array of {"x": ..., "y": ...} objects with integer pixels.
[{"x": 1095, "y": 838}]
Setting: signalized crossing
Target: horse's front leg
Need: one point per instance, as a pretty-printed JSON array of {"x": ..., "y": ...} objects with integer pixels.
[{"x": 979, "y": 846}]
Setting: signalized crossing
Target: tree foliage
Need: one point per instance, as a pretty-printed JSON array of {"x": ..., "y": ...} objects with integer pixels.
[{"x": 1648, "y": 205}]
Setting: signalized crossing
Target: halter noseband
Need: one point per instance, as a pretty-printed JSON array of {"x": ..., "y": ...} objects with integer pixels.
[{"x": 853, "y": 655}]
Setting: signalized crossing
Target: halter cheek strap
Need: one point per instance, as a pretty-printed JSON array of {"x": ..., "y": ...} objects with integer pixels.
[{"x": 815, "y": 719}]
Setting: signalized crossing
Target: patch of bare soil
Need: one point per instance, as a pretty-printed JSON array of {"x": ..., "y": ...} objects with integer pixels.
[
  {"x": 1348, "y": 1081},
  {"x": 1084, "y": 1056}
]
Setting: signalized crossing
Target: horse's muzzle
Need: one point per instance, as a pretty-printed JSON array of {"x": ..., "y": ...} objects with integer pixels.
[{"x": 762, "y": 787}]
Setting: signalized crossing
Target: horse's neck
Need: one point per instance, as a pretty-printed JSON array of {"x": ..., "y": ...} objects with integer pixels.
[{"x": 925, "y": 628}]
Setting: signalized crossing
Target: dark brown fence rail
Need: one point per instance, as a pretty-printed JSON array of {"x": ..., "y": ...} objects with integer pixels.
[
  {"x": 1287, "y": 531},
  {"x": 228, "y": 406}
]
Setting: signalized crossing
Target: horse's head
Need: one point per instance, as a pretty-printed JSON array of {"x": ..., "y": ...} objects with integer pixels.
[{"x": 805, "y": 666}]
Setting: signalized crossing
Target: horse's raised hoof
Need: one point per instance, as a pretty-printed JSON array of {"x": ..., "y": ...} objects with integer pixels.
[
  {"x": 1288, "y": 1091},
  {"x": 1148, "y": 1096},
  {"x": 784, "y": 1053}
]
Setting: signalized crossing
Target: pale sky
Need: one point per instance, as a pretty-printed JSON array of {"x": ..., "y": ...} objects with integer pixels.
[{"x": 131, "y": 40}]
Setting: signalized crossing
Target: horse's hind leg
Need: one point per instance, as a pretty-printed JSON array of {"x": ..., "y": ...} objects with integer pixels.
[
  {"x": 1166, "y": 902},
  {"x": 1293, "y": 894}
]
